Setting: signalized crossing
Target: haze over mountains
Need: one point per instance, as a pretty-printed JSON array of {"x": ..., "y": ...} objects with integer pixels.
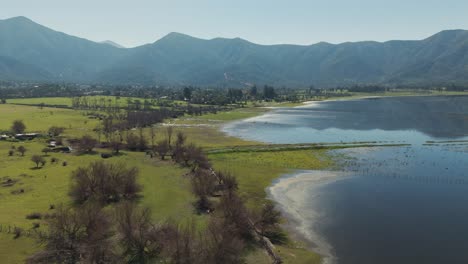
[{"x": 29, "y": 51}]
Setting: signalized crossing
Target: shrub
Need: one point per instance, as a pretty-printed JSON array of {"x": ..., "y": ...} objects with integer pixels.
[
  {"x": 11, "y": 152},
  {"x": 276, "y": 236},
  {"x": 34, "y": 216},
  {"x": 17, "y": 232},
  {"x": 106, "y": 155}
]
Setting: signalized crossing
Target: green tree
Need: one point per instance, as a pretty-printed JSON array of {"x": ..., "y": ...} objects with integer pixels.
[
  {"x": 253, "y": 91},
  {"x": 187, "y": 93},
  {"x": 269, "y": 92}
]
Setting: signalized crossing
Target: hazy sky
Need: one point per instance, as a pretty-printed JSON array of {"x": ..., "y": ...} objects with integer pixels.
[{"x": 135, "y": 22}]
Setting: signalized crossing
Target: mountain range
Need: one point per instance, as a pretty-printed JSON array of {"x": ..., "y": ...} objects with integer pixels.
[{"x": 32, "y": 52}]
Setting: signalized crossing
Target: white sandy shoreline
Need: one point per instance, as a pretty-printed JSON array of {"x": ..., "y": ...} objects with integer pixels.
[{"x": 292, "y": 192}]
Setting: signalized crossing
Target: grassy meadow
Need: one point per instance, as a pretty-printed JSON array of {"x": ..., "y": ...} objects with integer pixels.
[
  {"x": 165, "y": 190},
  {"x": 67, "y": 101},
  {"x": 39, "y": 120}
]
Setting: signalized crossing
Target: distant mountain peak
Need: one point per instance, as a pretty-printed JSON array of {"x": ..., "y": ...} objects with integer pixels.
[
  {"x": 19, "y": 19},
  {"x": 112, "y": 43},
  {"x": 16, "y": 23},
  {"x": 446, "y": 35},
  {"x": 176, "y": 36}
]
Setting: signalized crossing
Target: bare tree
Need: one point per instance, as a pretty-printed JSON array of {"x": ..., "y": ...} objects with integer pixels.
[
  {"x": 140, "y": 239},
  {"x": 22, "y": 150},
  {"x": 87, "y": 144},
  {"x": 46, "y": 151},
  {"x": 162, "y": 148},
  {"x": 142, "y": 144},
  {"x": 195, "y": 158},
  {"x": 203, "y": 186},
  {"x": 181, "y": 138},
  {"x": 104, "y": 182},
  {"x": 153, "y": 135},
  {"x": 169, "y": 133},
  {"x": 55, "y": 131},
  {"x": 222, "y": 244},
  {"x": 133, "y": 141},
  {"x": 228, "y": 182},
  {"x": 116, "y": 146},
  {"x": 235, "y": 214},
  {"x": 269, "y": 218},
  {"x": 18, "y": 127},
  {"x": 181, "y": 244},
  {"x": 37, "y": 159},
  {"x": 179, "y": 148},
  {"x": 77, "y": 236}
]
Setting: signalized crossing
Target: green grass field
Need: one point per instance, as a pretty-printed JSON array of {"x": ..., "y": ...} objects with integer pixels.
[
  {"x": 165, "y": 190},
  {"x": 39, "y": 120},
  {"x": 67, "y": 101},
  {"x": 42, "y": 100}
]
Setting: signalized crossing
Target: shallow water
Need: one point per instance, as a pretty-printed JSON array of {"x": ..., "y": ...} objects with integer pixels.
[
  {"x": 387, "y": 205},
  {"x": 413, "y": 119}
]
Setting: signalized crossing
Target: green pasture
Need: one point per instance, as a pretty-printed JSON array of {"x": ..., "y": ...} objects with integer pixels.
[{"x": 165, "y": 190}]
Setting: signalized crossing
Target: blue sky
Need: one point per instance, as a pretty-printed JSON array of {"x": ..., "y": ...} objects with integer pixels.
[{"x": 135, "y": 22}]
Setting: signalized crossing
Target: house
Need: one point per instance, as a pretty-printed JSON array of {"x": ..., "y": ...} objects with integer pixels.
[
  {"x": 4, "y": 137},
  {"x": 52, "y": 144}
]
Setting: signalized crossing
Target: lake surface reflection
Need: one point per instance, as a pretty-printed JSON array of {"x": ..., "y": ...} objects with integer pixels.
[
  {"x": 386, "y": 205},
  {"x": 414, "y": 119}
]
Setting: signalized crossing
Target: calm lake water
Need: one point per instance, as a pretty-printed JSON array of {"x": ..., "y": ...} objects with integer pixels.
[{"x": 388, "y": 204}]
